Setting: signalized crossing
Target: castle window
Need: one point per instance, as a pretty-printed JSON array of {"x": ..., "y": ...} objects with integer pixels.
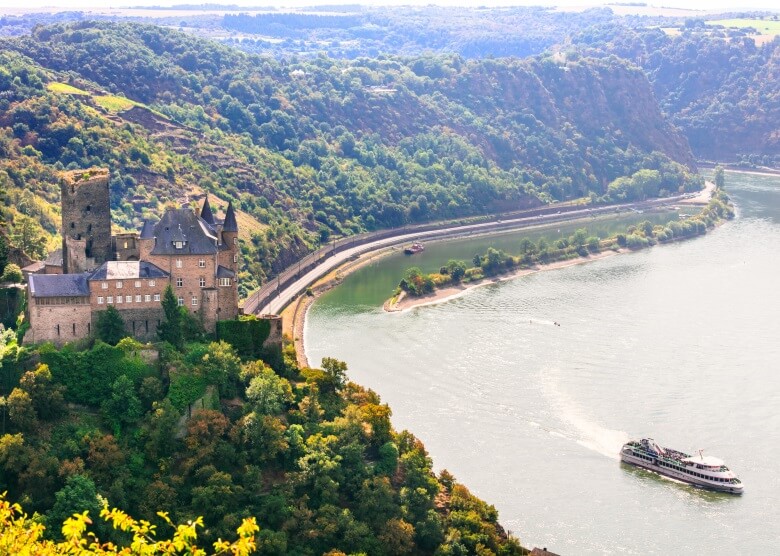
[
  {"x": 119, "y": 299},
  {"x": 89, "y": 208},
  {"x": 202, "y": 282},
  {"x": 178, "y": 244},
  {"x": 157, "y": 297},
  {"x": 224, "y": 281},
  {"x": 89, "y": 328},
  {"x": 72, "y": 225},
  {"x": 58, "y": 329},
  {"x": 104, "y": 286},
  {"x": 138, "y": 299},
  {"x": 119, "y": 284},
  {"x": 181, "y": 301},
  {"x": 194, "y": 301},
  {"x": 129, "y": 299},
  {"x": 235, "y": 241},
  {"x": 100, "y": 300},
  {"x": 202, "y": 263},
  {"x": 179, "y": 282},
  {"x": 235, "y": 258},
  {"x": 152, "y": 283},
  {"x": 137, "y": 283},
  {"x": 110, "y": 300},
  {"x": 147, "y": 298},
  {"x": 74, "y": 328},
  {"x": 125, "y": 244},
  {"x": 178, "y": 263}
]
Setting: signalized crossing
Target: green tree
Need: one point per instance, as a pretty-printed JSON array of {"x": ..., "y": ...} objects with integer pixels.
[
  {"x": 46, "y": 396},
  {"x": 720, "y": 177},
  {"x": 123, "y": 408},
  {"x": 110, "y": 326},
  {"x": 11, "y": 273},
  {"x": 27, "y": 235},
  {"x": 3, "y": 247},
  {"x": 456, "y": 269},
  {"x": 77, "y": 496},
  {"x": 268, "y": 393},
  {"x": 170, "y": 329},
  {"x": 21, "y": 411}
]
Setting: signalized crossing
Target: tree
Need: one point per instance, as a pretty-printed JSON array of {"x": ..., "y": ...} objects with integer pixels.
[
  {"x": 268, "y": 393},
  {"x": 27, "y": 235},
  {"x": 21, "y": 411},
  {"x": 46, "y": 396},
  {"x": 170, "y": 330},
  {"x": 720, "y": 177},
  {"x": 12, "y": 273},
  {"x": 123, "y": 407},
  {"x": 78, "y": 495},
  {"x": 456, "y": 269},
  {"x": 110, "y": 326}
]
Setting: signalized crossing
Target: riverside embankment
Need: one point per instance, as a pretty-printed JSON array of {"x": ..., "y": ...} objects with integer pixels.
[
  {"x": 292, "y": 282},
  {"x": 295, "y": 313}
]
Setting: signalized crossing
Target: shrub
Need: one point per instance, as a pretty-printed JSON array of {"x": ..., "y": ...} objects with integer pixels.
[{"x": 12, "y": 273}]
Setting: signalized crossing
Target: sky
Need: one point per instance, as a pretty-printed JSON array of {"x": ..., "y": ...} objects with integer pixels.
[{"x": 708, "y": 5}]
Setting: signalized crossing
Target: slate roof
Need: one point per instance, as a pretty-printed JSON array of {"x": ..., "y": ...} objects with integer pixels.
[
  {"x": 230, "y": 224},
  {"x": 206, "y": 214},
  {"x": 147, "y": 231},
  {"x": 127, "y": 270},
  {"x": 54, "y": 258},
  {"x": 183, "y": 225},
  {"x": 223, "y": 272},
  {"x": 55, "y": 285}
]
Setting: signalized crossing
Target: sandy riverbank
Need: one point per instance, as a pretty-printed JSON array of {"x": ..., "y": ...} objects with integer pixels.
[
  {"x": 294, "y": 315},
  {"x": 404, "y": 302}
]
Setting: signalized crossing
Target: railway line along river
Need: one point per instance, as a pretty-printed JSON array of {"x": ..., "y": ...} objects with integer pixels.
[{"x": 678, "y": 342}]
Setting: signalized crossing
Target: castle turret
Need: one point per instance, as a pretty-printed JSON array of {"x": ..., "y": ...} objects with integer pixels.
[
  {"x": 205, "y": 212},
  {"x": 227, "y": 272},
  {"x": 86, "y": 219}
]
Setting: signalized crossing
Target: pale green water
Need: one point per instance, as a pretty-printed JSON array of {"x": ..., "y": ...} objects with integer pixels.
[{"x": 678, "y": 342}]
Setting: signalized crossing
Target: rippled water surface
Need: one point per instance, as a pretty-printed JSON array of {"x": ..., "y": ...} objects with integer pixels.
[{"x": 678, "y": 342}]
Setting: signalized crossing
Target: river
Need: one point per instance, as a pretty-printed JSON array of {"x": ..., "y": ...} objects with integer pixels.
[{"x": 678, "y": 342}]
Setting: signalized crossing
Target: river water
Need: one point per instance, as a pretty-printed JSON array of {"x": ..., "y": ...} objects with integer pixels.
[{"x": 679, "y": 342}]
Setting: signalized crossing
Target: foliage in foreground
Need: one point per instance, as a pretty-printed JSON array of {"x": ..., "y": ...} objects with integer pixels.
[
  {"x": 217, "y": 439},
  {"x": 22, "y": 535}
]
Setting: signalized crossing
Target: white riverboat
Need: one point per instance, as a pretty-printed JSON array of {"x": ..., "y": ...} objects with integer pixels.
[{"x": 702, "y": 471}]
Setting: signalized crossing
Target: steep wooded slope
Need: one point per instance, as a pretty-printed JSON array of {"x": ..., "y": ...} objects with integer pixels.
[{"x": 311, "y": 149}]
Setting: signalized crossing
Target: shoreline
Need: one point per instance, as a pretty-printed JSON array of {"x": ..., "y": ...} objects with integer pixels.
[
  {"x": 295, "y": 314},
  {"x": 406, "y": 303}
]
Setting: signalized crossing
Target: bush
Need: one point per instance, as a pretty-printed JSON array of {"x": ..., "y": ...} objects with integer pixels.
[
  {"x": 246, "y": 334},
  {"x": 12, "y": 273}
]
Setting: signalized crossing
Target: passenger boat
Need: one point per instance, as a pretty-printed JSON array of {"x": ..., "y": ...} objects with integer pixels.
[
  {"x": 702, "y": 471},
  {"x": 415, "y": 247}
]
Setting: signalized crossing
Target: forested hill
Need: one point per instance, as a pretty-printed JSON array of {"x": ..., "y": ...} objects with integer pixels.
[
  {"x": 317, "y": 148},
  {"x": 719, "y": 87}
]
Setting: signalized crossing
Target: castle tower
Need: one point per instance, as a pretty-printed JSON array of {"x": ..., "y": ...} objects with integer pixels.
[
  {"x": 227, "y": 272},
  {"x": 86, "y": 219}
]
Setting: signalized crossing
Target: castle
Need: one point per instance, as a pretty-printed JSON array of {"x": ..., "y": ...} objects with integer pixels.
[{"x": 196, "y": 254}]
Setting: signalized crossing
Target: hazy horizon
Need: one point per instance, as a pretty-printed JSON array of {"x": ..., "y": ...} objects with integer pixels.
[{"x": 700, "y": 5}]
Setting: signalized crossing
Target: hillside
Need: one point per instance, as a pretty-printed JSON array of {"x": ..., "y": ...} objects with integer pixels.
[
  {"x": 314, "y": 149},
  {"x": 717, "y": 85}
]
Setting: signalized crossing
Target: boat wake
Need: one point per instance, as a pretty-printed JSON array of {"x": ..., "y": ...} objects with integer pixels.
[{"x": 581, "y": 428}]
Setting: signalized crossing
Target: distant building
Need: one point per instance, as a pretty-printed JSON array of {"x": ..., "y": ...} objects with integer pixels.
[{"x": 196, "y": 254}]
